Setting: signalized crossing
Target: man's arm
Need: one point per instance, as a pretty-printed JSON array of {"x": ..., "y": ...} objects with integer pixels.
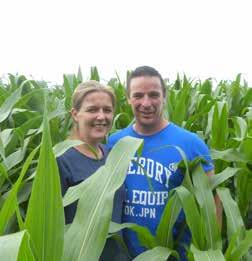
[{"x": 217, "y": 200}]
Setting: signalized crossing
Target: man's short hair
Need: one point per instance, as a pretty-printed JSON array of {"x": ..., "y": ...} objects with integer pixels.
[{"x": 145, "y": 71}]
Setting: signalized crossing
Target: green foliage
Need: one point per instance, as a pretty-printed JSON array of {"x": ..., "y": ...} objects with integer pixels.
[
  {"x": 96, "y": 201},
  {"x": 29, "y": 182}
]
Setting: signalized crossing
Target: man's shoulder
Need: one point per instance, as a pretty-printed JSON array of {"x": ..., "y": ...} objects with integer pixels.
[
  {"x": 182, "y": 132},
  {"x": 113, "y": 138}
]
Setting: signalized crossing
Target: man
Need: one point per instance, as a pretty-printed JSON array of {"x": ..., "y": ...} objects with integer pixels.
[{"x": 147, "y": 95}]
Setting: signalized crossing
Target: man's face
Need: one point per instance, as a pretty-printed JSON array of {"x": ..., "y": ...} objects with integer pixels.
[{"x": 147, "y": 99}]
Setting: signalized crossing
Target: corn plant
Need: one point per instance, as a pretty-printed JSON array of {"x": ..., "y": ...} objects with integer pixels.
[{"x": 32, "y": 133}]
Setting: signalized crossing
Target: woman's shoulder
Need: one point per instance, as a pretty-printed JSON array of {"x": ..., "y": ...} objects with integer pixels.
[{"x": 69, "y": 153}]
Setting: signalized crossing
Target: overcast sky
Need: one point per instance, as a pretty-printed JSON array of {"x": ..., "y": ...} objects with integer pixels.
[{"x": 202, "y": 38}]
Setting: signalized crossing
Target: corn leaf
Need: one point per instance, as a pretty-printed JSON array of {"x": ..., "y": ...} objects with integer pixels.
[
  {"x": 219, "y": 178},
  {"x": 240, "y": 128},
  {"x": 229, "y": 155},
  {"x": 164, "y": 233},
  {"x": 144, "y": 235},
  {"x": 205, "y": 199},
  {"x": 243, "y": 247},
  {"x": 193, "y": 218},
  {"x": 156, "y": 254},
  {"x": 10, "y": 203},
  {"x": 16, "y": 247},
  {"x": 9, "y": 103},
  {"x": 45, "y": 216},
  {"x": 86, "y": 236},
  {"x": 63, "y": 146},
  {"x": 209, "y": 255},
  {"x": 219, "y": 126},
  {"x": 17, "y": 156},
  {"x": 234, "y": 219}
]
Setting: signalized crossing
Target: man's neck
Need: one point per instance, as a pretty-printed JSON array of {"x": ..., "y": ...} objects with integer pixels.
[{"x": 150, "y": 130}]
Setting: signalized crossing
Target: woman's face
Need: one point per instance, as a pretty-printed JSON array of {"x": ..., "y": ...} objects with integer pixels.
[{"x": 94, "y": 119}]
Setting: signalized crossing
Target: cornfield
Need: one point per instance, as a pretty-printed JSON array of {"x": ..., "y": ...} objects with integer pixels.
[{"x": 34, "y": 126}]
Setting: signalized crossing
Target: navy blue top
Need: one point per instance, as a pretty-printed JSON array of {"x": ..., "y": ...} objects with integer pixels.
[{"x": 74, "y": 167}]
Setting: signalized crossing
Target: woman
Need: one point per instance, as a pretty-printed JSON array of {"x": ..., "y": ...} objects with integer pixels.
[{"x": 92, "y": 114}]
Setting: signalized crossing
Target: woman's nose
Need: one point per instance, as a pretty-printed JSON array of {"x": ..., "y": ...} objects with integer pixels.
[{"x": 100, "y": 115}]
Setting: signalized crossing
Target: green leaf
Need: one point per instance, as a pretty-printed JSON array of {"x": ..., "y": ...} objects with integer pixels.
[
  {"x": 94, "y": 74},
  {"x": 229, "y": 155},
  {"x": 156, "y": 254},
  {"x": 219, "y": 178},
  {"x": 25, "y": 251},
  {"x": 231, "y": 245},
  {"x": 240, "y": 128},
  {"x": 219, "y": 126},
  {"x": 10, "y": 203},
  {"x": 79, "y": 75},
  {"x": 164, "y": 233},
  {"x": 9, "y": 103},
  {"x": 246, "y": 148},
  {"x": 143, "y": 234},
  {"x": 68, "y": 88},
  {"x": 3, "y": 174},
  {"x": 63, "y": 146},
  {"x": 2, "y": 151},
  {"x": 17, "y": 156},
  {"x": 86, "y": 236},
  {"x": 209, "y": 255},
  {"x": 243, "y": 247},
  {"x": 244, "y": 190},
  {"x": 15, "y": 247},
  {"x": 205, "y": 199},
  {"x": 234, "y": 219},
  {"x": 181, "y": 103},
  {"x": 193, "y": 218},
  {"x": 45, "y": 215}
]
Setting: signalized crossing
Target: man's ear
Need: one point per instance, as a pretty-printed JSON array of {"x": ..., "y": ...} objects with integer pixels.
[{"x": 128, "y": 98}]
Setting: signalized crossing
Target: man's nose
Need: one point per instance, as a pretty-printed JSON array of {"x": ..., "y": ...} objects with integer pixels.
[{"x": 146, "y": 101}]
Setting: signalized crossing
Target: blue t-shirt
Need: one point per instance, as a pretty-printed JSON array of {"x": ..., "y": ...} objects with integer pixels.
[{"x": 160, "y": 164}]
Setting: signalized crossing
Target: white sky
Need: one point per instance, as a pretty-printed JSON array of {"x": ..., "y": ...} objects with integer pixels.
[{"x": 202, "y": 38}]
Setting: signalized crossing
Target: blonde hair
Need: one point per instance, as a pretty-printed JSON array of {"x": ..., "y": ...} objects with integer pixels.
[{"x": 83, "y": 89}]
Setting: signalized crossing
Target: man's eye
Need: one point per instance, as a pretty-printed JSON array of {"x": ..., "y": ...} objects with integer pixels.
[
  {"x": 92, "y": 110},
  {"x": 108, "y": 110},
  {"x": 154, "y": 95}
]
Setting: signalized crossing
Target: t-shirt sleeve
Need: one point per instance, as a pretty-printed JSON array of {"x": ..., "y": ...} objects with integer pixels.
[
  {"x": 200, "y": 149},
  {"x": 111, "y": 142}
]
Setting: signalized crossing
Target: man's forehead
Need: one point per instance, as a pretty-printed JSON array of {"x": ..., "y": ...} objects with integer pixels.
[{"x": 146, "y": 82}]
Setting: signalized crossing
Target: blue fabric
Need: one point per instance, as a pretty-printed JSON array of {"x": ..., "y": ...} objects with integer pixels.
[
  {"x": 74, "y": 167},
  {"x": 159, "y": 159}
]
